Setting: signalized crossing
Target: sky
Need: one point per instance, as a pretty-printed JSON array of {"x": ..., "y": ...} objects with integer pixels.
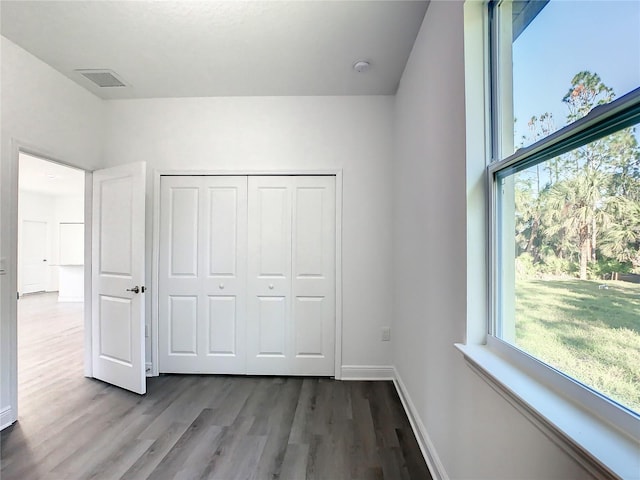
[{"x": 569, "y": 36}]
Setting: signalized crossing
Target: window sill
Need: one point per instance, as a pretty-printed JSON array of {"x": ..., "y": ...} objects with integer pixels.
[{"x": 598, "y": 446}]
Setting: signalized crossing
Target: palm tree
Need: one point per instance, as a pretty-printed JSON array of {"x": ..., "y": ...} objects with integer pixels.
[{"x": 574, "y": 206}]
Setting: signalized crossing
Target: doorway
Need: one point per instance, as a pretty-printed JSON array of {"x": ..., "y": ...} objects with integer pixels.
[{"x": 50, "y": 280}]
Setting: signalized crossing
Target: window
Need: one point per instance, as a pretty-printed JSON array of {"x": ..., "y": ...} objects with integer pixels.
[{"x": 565, "y": 191}]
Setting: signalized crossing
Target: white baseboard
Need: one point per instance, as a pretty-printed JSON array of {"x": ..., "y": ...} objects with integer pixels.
[
  {"x": 424, "y": 441},
  {"x": 6, "y": 417},
  {"x": 367, "y": 372}
]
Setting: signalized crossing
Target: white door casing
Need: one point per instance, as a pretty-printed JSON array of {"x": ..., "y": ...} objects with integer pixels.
[
  {"x": 118, "y": 233},
  {"x": 33, "y": 274},
  {"x": 202, "y": 269}
]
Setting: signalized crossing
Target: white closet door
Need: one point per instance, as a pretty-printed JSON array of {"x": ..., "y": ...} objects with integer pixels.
[
  {"x": 313, "y": 279},
  {"x": 269, "y": 328},
  {"x": 202, "y": 273},
  {"x": 291, "y": 283}
]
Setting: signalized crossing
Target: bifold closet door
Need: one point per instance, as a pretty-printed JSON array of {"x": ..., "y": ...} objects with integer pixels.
[
  {"x": 202, "y": 274},
  {"x": 291, "y": 280}
]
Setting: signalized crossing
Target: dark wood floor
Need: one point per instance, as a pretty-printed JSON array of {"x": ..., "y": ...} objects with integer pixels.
[{"x": 193, "y": 426}]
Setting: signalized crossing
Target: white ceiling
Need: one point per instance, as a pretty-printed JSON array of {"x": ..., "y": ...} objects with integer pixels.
[
  {"x": 40, "y": 176},
  {"x": 221, "y": 48}
]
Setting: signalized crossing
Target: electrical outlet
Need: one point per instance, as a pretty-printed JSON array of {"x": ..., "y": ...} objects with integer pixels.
[{"x": 386, "y": 334}]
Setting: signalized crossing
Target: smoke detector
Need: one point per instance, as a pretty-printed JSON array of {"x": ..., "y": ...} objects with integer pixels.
[
  {"x": 361, "y": 66},
  {"x": 102, "y": 78}
]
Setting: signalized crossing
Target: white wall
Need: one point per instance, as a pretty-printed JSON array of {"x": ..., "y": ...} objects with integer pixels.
[
  {"x": 68, "y": 209},
  {"x": 52, "y": 209},
  {"x": 43, "y": 110},
  {"x": 474, "y": 431},
  {"x": 285, "y": 133}
]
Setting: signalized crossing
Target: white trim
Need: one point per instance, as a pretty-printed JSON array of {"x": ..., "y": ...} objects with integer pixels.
[
  {"x": 155, "y": 277},
  {"x": 338, "y": 279},
  {"x": 367, "y": 372},
  {"x": 436, "y": 468},
  {"x": 7, "y": 417},
  {"x": 88, "y": 285},
  {"x": 597, "y": 446},
  {"x": 155, "y": 249}
]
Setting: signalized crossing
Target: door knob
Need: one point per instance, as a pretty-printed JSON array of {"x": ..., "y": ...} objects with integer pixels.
[
  {"x": 271, "y": 286},
  {"x": 135, "y": 289},
  {"x": 221, "y": 286}
]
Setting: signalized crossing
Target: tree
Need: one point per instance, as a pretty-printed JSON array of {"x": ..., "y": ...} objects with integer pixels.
[
  {"x": 573, "y": 210},
  {"x": 590, "y": 204},
  {"x": 587, "y": 91}
]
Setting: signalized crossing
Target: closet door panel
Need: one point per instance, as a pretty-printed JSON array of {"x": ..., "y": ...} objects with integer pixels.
[
  {"x": 223, "y": 326},
  {"x": 178, "y": 270},
  {"x": 202, "y": 258},
  {"x": 224, "y": 263},
  {"x": 313, "y": 279},
  {"x": 269, "y": 330}
]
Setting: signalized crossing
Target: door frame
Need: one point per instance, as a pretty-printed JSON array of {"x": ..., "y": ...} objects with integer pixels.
[
  {"x": 155, "y": 259},
  {"x": 10, "y": 281}
]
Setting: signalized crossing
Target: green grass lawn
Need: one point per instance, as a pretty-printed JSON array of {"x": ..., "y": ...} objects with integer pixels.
[{"x": 591, "y": 334}]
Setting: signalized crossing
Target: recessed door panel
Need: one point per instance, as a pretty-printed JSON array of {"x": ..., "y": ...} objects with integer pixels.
[
  {"x": 309, "y": 223},
  {"x": 222, "y": 325},
  {"x": 115, "y": 329},
  {"x": 116, "y": 196},
  {"x": 272, "y": 326},
  {"x": 309, "y": 315},
  {"x": 183, "y": 226},
  {"x": 223, "y": 229},
  {"x": 183, "y": 324},
  {"x": 273, "y": 231}
]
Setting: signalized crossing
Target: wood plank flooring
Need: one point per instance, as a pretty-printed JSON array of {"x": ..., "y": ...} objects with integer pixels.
[{"x": 192, "y": 426}]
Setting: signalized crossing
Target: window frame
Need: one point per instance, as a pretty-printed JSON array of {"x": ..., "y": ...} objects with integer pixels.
[{"x": 601, "y": 121}]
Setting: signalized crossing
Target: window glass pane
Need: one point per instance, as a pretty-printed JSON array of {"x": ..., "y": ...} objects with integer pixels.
[
  {"x": 569, "y": 263},
  {"x": 563, "y": 57}
]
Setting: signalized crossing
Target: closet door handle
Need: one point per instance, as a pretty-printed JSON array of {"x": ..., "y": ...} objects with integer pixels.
[
  {"x": 221, "y": 286},
  {"x": 135, "y": 289},
  {"x": 271, "y": 286}
]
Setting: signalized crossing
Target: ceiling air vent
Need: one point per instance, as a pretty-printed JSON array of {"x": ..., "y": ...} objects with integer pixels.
[{"x": 102, "y": 78}]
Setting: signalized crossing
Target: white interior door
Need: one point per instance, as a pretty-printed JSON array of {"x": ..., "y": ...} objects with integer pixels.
[
  {"x": 313, "y": 276},
  {"x": 291, "y": 282},
  {"x": 118, "y": 276},
  {"x": 269, "y": 329},
  {"x": 34, "y": 256},
  {"x": 202, "y": 270}
]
